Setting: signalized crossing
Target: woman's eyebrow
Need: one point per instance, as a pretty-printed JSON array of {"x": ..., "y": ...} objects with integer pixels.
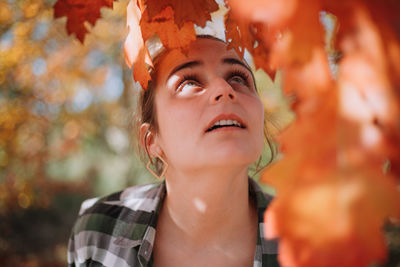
[
  {"x": 233, "y": 61},
  {"x": 185, "y": 65}
]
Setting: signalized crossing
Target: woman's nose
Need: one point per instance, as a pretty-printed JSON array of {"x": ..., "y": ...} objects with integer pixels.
[{"x": 222, "y": 91}]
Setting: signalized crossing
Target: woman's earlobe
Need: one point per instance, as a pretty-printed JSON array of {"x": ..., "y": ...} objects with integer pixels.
[
  {"x": 155, "y": 150},
  {"x": 152, "y": 148}
]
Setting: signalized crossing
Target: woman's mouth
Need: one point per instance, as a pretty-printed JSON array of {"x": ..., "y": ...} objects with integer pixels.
[{"x": 225, "y": 123}]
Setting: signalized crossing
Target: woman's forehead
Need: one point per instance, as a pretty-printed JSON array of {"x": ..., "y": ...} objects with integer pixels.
[{"x": 203, "y": 49}]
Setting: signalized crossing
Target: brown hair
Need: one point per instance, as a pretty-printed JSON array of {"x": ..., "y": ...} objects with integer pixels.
[
  {"x": 147, "y": 110},
  {"x": 146, "y": 113}
]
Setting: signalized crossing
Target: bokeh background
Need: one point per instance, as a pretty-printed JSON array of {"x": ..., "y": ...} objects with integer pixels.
[
  {"x": 65, "y": 126},
  {"x": 66, "y": 112}
]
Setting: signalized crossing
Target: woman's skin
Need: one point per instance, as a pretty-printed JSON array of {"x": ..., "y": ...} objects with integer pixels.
[{"x": 207, "y": 218}]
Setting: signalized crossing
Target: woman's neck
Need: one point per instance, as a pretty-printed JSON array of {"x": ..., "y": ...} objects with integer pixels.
[{"x": 210, "y": 207}]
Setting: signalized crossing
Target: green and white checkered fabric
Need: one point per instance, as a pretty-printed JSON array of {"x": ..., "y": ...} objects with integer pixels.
[{"x": 119, "y": 230}]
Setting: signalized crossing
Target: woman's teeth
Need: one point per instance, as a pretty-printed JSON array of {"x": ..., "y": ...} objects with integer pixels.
[{"x": 225, "y": 123}]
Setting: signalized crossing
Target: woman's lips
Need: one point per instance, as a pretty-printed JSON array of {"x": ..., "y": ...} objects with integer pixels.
[
  {"x": 226, "y": 122},
  {"x": 225, "y": 128}
]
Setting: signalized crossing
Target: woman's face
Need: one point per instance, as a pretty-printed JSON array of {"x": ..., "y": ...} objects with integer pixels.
[{"x": 208, "y": 110}]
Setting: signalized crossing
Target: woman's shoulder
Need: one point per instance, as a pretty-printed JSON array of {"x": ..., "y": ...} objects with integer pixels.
[
  {"x": 114, "y": 224},
  {"x": 132, "y": 197}
]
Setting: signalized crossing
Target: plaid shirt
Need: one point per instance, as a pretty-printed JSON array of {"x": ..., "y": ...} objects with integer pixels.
[{"x": 119, "y": 230}]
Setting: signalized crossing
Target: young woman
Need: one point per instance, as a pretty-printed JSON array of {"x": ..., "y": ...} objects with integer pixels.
[{"x": 202, "y": 122}]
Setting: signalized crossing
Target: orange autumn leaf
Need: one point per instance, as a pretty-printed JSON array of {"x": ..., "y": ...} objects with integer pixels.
[
  {"x": 134, "y": 40},
  {"x": 273, "y": 13},
  {"x": 164, "y": 27},
  {"x": 307, "y": 81},
  {"x": 296, "y": 46},
  {"x": 293, "y": 30},
  {"x": 334, "y": 222},
  {"x": 325, "y": 151},
  {"x": 241, "y": 35},
  {"x": 142, "y": 29},
  {"x": 385, "y": 25},
  {"x": 261, "y": 57},
  {"x": 141, "y": 73},
  {"x": 136, "y": 54},
  {"x": 196, "y": 11},
  {"x": 79, "y": 11},
  {"x": 369, "y": 80},
  {"x": 307, "y": 157}
]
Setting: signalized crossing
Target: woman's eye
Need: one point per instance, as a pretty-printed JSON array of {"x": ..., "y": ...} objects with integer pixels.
[
  {"x": 188, "y": 85},
  {"x": 238, "y": 79}
]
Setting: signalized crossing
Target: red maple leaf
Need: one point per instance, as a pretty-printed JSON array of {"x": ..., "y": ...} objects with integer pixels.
[
  {"x": 136, "y": 53},
  {"x": 169, "y": 33},
  {"x": 241, "y": 34},
  {"x": 196, "y": 11},
  {"x": 79, "y": 11}
]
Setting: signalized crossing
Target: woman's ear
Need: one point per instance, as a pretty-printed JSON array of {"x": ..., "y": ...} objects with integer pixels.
[
  {"x": 144, "y": 128},
  {"x": 148, "y": 141}
]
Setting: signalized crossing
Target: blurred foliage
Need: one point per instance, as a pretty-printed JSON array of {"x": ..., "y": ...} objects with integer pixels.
[{"x": 65, "y": 126}]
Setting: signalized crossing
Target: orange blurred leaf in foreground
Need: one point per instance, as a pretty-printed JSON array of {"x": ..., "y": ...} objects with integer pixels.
[
  {"x": 271, "y": 12},
  {"x": 334, "y": 222},
  {"x": 332, "y": 197},
  {"x": 369, "y": 81},
  {"x": 79, "y": 11}
]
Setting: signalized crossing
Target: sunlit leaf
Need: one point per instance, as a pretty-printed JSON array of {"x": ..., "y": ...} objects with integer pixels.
[
  {"x": 196, "y": 11},
  {"x": 169, "y": 33},
  {"x": 135, "y": 52},
  {"x": 78, "y": 12}
]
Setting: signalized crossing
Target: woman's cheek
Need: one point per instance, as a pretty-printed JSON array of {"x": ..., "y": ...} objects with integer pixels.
[{"x": 177, "y": 127}]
